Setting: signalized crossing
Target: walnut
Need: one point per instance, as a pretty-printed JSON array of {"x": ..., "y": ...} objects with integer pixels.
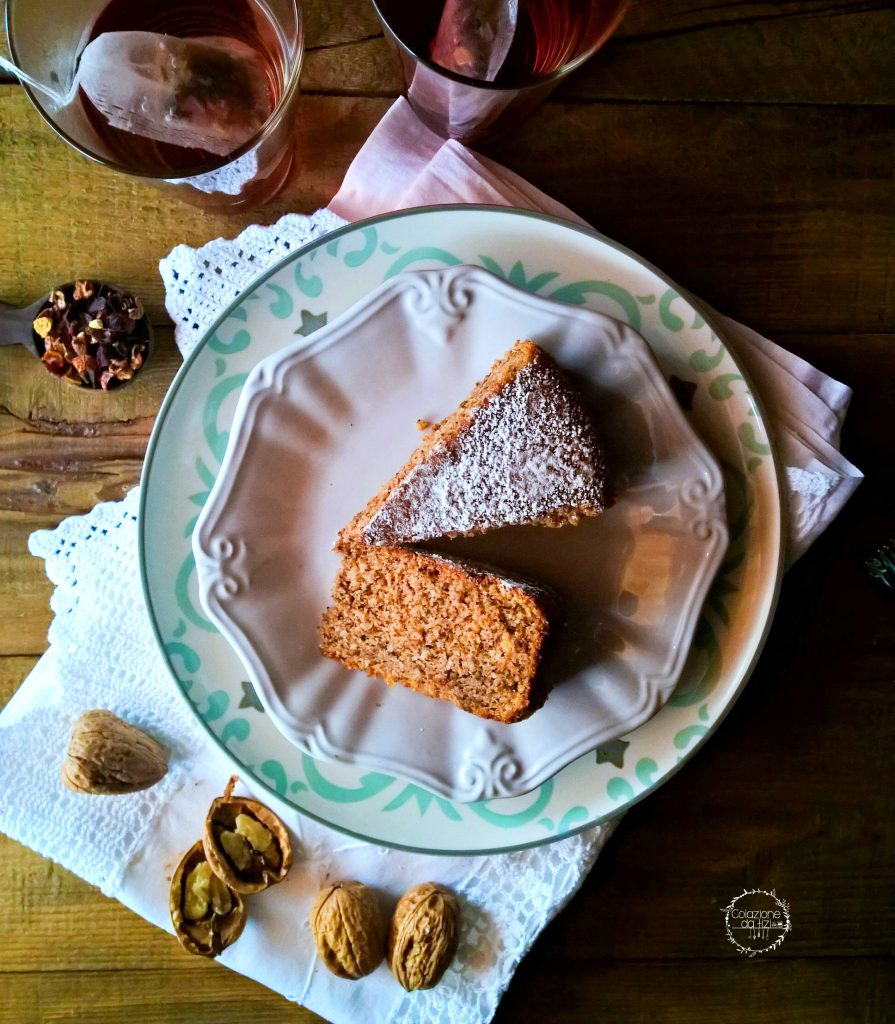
[
  {"x": 108, "y": 755},
  {"x": 246, "y": 844},
  {"x": 208, "y": 916},
  {"x": 423, "y": 935},
  {"x": 349, "y": 929}
]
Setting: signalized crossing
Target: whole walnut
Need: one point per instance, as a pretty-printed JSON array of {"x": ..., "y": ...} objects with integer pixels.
[
  {"x": 423, "y": 935},
  {"x": 349, "y": 929},
  {"x": 108, "y": 755}
]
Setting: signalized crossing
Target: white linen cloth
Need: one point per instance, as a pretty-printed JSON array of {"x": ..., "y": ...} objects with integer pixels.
[{"x": 128, "y": 845}]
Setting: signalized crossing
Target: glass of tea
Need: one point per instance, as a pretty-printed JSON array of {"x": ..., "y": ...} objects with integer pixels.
[
  {"x": 546, "y": 41},
  {"x": 197, "y": 95}
]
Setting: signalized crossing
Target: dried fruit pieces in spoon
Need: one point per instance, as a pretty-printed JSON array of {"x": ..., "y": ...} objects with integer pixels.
[
  {"x": 92, "y": 334},
  {"x": 246, "y": 844},
  {"x": 208, "y": 916}
]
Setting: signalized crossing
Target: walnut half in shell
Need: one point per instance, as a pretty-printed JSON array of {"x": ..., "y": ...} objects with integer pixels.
[
  {"x": 246, "y": 844},
  {"x": 208, "y": 916}
]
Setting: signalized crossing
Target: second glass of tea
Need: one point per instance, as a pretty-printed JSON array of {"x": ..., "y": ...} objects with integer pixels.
[
  {"x": 198, "y": 95},
  {"x": 550, "y": 39}
]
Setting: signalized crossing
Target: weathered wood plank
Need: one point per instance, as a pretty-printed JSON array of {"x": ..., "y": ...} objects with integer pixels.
[
  {"x": 792, "y": 232},
  {"x": 795, "y": 233},
  {"x": 64, "y": 449},
  {"x": 25, "y": 596},
  {"x": 675, "y": 51},
  {"x": 203, "y": 993},
  {"x": 746, "y": 52},
  {"x": 763, "y": 991},
  {"x": 13, "y": 670},
  {"x": 66, "y": 206},
  {"x": 36, "y": 401}
]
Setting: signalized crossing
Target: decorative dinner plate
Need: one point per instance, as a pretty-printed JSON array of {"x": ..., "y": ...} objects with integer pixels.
[
  {"x": 322, "y": 424},
  {"x": 313, "y": 286}
]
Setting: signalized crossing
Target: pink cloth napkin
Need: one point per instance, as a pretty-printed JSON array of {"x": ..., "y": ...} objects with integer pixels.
[{"x": 404, "y": 164}]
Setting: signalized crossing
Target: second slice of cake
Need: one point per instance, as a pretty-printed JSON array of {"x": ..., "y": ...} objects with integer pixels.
[
  {"x": 449, "y": 629},
  {"x": 521, "y": 449}
]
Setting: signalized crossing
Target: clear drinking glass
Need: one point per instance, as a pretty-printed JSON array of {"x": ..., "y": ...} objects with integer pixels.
[
  {"x": 553, "y": 38},
  {"x": 47, "y": 37}
]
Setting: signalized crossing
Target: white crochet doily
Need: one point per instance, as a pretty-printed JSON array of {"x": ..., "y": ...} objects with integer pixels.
[
  {"x": 103, "y": 654},
  {"x": 201, "y": 283}
]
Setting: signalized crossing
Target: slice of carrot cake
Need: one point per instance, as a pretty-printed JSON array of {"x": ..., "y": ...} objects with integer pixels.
[
  {"x": 521, "y": 449},
  {"x": 449, "y": 629}
]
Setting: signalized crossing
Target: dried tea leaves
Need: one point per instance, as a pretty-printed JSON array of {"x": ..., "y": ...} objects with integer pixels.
[{"x": 92, "y": 335}]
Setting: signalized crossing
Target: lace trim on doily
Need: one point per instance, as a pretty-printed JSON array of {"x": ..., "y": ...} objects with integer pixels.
[
  {"x": 810, "y": 492},
  {"x": 229, "y": 179},
  {"x": 105, "y": 636},
  {"x": 507, "y": 901},
  {"x": 201, "y": 283}
]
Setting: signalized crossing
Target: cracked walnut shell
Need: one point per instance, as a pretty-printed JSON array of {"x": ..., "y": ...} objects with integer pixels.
[
  {"x": 107, "y": 755},
  {"x": 246, "y": 844},
  {"x": 423, "y": 935},
  {"x": 208, "y": 916},
  {"x": 348, "y": 929}
]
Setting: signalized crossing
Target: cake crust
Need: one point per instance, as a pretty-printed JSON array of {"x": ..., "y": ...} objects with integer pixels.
[
  {"x": 450, "y": 629},
  {"x": 520, "y": 449}
]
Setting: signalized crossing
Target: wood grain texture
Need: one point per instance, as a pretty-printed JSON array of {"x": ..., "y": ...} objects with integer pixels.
[
  {"x": 205, "y": 994},
  {"x": 794, "y": 232},
  {"x": 667, "y": 51},
  {"x": 838, "y": 991},
  {"x": 747, "y": 148}
]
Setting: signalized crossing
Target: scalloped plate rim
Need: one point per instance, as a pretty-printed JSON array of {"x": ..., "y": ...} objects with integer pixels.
[
  {"x": 770, "y": 601},
  {"x": 263, "y": 384}
]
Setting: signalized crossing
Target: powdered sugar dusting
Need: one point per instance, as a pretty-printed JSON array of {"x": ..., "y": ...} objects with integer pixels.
[{"x": 529, "y": 453}]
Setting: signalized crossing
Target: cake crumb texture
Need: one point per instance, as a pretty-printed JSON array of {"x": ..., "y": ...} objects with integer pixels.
[{"x": 452, "y": 630}]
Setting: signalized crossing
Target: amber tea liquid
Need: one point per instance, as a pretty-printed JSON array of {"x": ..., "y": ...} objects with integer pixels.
[
  {"x": 243, "y": 20},
  {"x": 549, "y": 33}
]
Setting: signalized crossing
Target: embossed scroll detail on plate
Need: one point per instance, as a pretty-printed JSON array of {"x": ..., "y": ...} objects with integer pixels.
[
  {"x": 319, "y": 426},
  {"x": 438, "y": 300},
  {"x": 488, "y": 770}
]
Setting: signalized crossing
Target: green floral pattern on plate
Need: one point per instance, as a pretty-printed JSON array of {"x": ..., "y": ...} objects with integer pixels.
[{"x": 373, "y": 804}]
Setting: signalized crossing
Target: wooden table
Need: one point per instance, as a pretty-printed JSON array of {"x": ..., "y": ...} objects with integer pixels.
[{"x": 747, "y": 149}]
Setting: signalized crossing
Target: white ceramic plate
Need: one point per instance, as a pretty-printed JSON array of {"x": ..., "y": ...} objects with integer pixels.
[
  {"x": 320, "y": 426},
  {"x": 316, "y": 284}
]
